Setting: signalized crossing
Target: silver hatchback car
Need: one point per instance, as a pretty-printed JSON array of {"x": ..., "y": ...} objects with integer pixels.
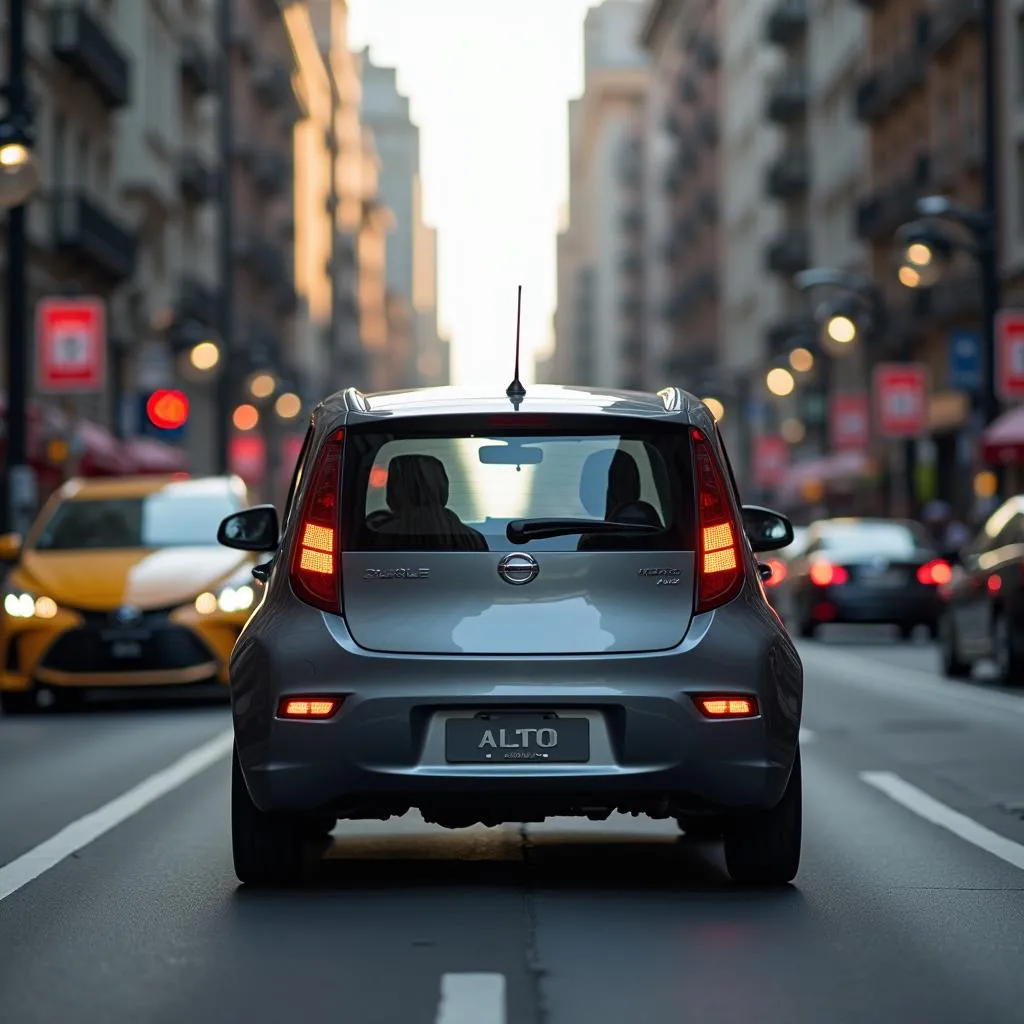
[{"x": 497, "y": 612}]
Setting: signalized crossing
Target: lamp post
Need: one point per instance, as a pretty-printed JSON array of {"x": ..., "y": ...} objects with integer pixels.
[
  {"x": 226, "y": 383},
  {"x": 19, "y": 178}
]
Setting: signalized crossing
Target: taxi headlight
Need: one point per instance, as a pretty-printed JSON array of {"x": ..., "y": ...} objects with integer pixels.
[
  {"x": 228, "y": 599},
  {"x": 19, "y": 604}
]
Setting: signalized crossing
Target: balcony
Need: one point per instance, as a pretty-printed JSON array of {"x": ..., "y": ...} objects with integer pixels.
[
  {"x": 273, "y": 84},
  {"x": 881, "y": 213},
  {"x": 632, "y": 219},
  {"x": 88, "y": 234},
  {"x": 707, "y": 206},
  {"x": 197, "y": 179},
  {"x": 787, "y": 98},
  {"x": 631, "y": 262},
  {"x": 197, "y": 69},
  {"x": 264, "y": 258},
  {"x": 197, "y": 300},
  {"x": 786, "y": 22},
  {"x": 630, "y": 164},
  {"x": 82, "y": 43},
  {"x": 688, "y": 91},
  {"x": 950, "y": 18},
  {"x": 286, "y": 300},
  {"x": 705, "y": 50},
  {"x": 707, "y": 128},
  {"x": 789, "y": 253},
  {"x": 631, "y": 305},
  {"x": 953, "y": 159},
  {"x": 271, "y": 171},
  {"x": 790, "y": 175},
  {"x": 880, "y": 89}
]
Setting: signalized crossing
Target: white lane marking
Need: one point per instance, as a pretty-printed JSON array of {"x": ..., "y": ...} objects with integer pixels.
[
  {"x": 472, "y": 999},
  {"x": 881, "y": 675},
  {"x": 945, "y": 817},
  {"x": 73, "y": 837},
  {"x": 806, "y": 736}
]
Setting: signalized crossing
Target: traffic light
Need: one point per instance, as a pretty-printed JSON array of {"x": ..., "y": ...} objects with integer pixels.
[{"x": 167, "y": 409}]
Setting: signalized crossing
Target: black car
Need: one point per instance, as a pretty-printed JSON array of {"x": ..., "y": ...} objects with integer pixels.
[
  {"x": 983, "y": 614},
  {"x": 870, "y": 571}
]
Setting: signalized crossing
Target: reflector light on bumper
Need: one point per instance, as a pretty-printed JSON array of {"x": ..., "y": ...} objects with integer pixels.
[
  {"x": 727, "y": 707},
  {"x": 307, "y": 707}
]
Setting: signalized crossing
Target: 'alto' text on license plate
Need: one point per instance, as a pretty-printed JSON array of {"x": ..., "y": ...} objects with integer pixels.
[{"x": 517, "y": 739}]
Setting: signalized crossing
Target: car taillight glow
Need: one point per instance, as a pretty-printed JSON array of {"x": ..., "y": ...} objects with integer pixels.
[
  {"x": 307, "y": 707},
  {"x": 720, "y": 574},
  {"x": 825, "y": 574},
  {"x": 935, "y": 573},
  {"x": 316, "y": 570},
  {"x": 727, "y": 707},
  {"x": 779, "y": 572}
]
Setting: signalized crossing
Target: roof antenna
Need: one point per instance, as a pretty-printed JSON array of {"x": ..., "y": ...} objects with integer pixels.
[{"x": 515, "y": 391}]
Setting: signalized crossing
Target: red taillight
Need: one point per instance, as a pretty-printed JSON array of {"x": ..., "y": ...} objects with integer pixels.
[
  {"x": 727, "y": 707},
  {"x": 307, "y": 707},
  {"x": 720, "y": 573},
  {"x": 825, "y": 574},
  {"x": 936, "y": 573},
  {"x": 316, "y": 566},
  {"x": 779, "y": 572}
]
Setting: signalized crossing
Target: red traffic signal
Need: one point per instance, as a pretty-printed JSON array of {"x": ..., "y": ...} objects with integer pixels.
[{"x": 167, "y": 409}]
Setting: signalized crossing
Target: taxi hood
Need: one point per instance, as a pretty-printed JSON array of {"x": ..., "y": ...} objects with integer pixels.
[{"x": 104, "y": 580}]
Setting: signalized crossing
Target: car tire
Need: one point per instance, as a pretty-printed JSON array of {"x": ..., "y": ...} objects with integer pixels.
[
  {"x": 763, "y": 847},
  {"x": 17, "y": 702},
  {"x": 267, "y": 848},
  {"x": 953, "y": 666},
  {"x": 1009, "y": 661}
]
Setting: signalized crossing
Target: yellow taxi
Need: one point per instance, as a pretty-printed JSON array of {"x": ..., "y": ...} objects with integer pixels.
[{"x": 121, "y": 582}]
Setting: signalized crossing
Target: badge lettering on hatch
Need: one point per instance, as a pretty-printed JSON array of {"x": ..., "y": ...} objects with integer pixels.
[
  {"x": 506, "y": 740},
  {"x": 396, "y": 574},
  {"x": 664, "y": 577}
]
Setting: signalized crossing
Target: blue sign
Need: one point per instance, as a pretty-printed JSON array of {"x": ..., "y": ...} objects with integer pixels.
[
  {"x": 147, "y": 428},
  {"x": 964, "y": 360}
]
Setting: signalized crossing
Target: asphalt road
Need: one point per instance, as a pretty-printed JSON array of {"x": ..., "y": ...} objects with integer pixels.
[{"x": 909, "y": 905}]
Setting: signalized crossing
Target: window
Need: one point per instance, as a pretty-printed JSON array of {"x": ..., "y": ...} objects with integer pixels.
[
  {"x": 446, "y": 489},
  {"x": 82, "y": 176},
  {"x": 888, "y": 540},
  {"x": 969, "y": 112},
  {"x": 59, "y": 155},
  {"x": 166, "y": 519}
]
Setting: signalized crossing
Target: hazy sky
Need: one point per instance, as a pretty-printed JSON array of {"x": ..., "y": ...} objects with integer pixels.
[{"x": 488, "y": 82}]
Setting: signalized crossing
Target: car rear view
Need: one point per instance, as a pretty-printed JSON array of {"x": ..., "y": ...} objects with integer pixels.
[{"x": 501, "y": 616}]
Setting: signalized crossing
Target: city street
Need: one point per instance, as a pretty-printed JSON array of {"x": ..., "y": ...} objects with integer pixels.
[{"x": 908, "y": 906}]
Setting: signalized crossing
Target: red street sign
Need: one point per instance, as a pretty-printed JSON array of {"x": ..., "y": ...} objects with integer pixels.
[
  {"x": 771, "y": 459},
  {"x": 848, "y": 423},
  {"x": 71, "y": 344},
  {"x": 1010, "y": 354},
  {"x": 901, "y": 397}
]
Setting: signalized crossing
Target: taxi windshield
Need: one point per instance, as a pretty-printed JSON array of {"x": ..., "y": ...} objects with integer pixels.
[{"x": 153, "y": 521}]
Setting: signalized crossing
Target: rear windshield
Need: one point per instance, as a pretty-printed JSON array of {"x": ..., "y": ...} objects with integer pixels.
[
  {"x": 430, "y": 488},
  {"x": 892, "y": 540}
]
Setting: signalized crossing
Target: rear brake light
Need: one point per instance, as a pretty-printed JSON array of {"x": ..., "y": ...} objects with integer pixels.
[
  {"x": 825, "y": 574},
  {"x": 935, "y": 573},
  {"x": 316, "y": 568},
  {"x": 779, "y": 572},
  {"x": 720, "y": 572},
  {"x": 519, "y": 420},
  {"x": 727, "y": 707},
  {"x": 308, "y": 707}
]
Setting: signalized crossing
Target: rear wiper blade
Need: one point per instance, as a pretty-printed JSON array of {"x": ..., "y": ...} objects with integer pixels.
[{"x": 519, "y": 531}]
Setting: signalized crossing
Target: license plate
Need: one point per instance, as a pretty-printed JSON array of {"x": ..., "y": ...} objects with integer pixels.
[
  {"x": 886, "y": 579},
  {"x": 126, "y": 649},
  {"x": 517, "y": 739}
]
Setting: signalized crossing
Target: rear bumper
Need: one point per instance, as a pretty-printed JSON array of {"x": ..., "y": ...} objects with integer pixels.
[
  {"x": 870, "y": 606},
  {"x": 651, "y": 750}
]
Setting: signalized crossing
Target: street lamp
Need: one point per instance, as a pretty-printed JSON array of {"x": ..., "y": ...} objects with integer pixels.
[
  {"x": 716, "y": 407},
  {"x": 780, "y": 382},
  {"x": 19, "y": 178},
  {"x": 801, "y": 359}
]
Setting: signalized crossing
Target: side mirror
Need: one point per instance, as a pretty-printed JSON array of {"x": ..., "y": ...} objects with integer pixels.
[
  {"x": 252, "y": 529},
  {"x": 10, "y": 547},
  {"x": 766, "y": 530}
]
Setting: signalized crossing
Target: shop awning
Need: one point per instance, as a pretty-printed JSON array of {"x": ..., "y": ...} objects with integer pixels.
[
  {"x": 146, "y": 456},
  {"x": 101, "y": 453},
  {"x": 830, "y": 471},
  {"x": 1002, "y": 443}
]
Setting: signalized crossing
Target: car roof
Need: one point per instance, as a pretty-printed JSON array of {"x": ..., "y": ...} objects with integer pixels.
[
  {"x": 94, "y": 488},
  {"x": 546, "y": 399}
]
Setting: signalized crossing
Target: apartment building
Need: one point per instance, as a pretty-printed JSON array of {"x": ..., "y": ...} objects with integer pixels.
[
  {"x": 411, "y": 247},
  {"x": 600, "y": 315},
  {"x": 684, "y": 39},
  {"x": 920, "y": 99}
]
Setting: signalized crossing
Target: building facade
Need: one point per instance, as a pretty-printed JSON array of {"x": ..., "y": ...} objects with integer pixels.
[
  {"x": 684, "y": 39},
  {"x": 600, "y": 313}
]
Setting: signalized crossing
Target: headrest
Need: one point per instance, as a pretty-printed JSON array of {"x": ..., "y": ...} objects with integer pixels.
[{"x": 416, "y": 481}]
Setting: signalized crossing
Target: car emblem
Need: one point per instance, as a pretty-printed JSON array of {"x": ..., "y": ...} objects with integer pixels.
[
  {"x": 127, "y": 614},
  {"x": 518, "y": 568}
]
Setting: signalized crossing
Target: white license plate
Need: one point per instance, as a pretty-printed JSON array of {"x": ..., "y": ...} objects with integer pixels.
[{"x": 886, "y": 579}]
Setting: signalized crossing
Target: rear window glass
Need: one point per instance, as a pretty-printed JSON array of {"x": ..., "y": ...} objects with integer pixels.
[
  {"x": 427, "y": 488},
  {"x": 894, "y": 540}
]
